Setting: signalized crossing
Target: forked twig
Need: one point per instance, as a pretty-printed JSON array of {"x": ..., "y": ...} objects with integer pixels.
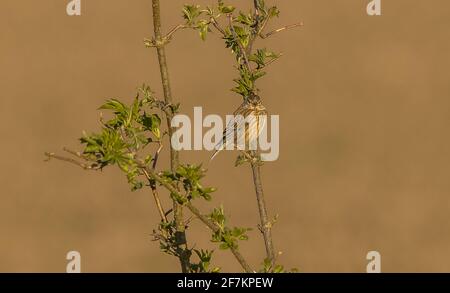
[
  {"x": 93, "y": 167},
  {"x": 265, "y": 36},
  {"x": 174, "y": 30}
]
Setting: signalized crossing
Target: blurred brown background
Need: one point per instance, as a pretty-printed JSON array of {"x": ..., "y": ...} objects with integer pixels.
[{"x": 364, "y": 160}]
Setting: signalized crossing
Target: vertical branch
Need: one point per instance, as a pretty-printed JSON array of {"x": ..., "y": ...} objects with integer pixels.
[
  {"x": 184, "y": 253},
  {"x": 256, "y": 16},
  {"x": 161, "y": 51},
  {"x": 266, "y": 224}
]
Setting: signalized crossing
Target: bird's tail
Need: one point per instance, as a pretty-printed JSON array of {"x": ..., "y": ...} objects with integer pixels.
[{"x": 216, "y": 152}]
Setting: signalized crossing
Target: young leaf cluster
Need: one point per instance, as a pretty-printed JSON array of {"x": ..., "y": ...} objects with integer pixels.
[
  {"x": 125, "y": 135},
  {"x": 239, "y": 35},
  {"x": 189, "y": 176},
  {"x": 203, "y": 265},
  {"x": 227, "y": 237}
]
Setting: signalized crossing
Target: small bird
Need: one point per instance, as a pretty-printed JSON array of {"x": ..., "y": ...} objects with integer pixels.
[{"x": 252, "y": 115}]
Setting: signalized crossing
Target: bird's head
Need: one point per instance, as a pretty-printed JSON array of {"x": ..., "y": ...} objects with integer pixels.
[{"x": 255, "y": 101}]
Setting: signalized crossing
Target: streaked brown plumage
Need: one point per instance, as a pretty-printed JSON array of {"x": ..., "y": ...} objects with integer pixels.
[{"x": 252, "y": 115}]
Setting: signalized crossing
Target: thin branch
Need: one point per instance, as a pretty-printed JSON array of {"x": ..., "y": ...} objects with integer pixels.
[
  {"x": 265, "y": 36},
  {"x": 266, "y": 225},
  {"x": 263, "y": 25},
  {"x": 241, "y": 47},
  {"x": 161, "y": 52},
  {"x": 159, "y": 205},
  {"x": 256, "y": 27},
  {"x": 50, "y": 156},
  {"x": 174, "y": 30},
  {"x": 153, "y": 185},
  {"x": 255, "y": 162},
  {"x": 256, "y": 5},
  {"x": 180, "y": 235},
  {"x": 76, "y": 154},
  {"x": 155, "y": 158},
  {"x": 217, "y": 26},
  {"x": 164, "y": 40},
  {"x": 162, "y": 214}
]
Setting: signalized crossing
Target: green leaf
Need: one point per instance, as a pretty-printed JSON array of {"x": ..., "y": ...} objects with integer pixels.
[
  {"x": 241, "y": 159},
  {"x": 261, "y": 5},
  {"x": 262, "y": 57},
  {"x": 114, "y": 104},
  {"x": 273, "y": 12},
  {"x": 152, "y": 123},
  {"x": 137, "y": 185},
  {"x": 256, "y": 75},
  {"x": 244, "y": 83},
  {"x": 203, "y": 28},
  {"x": 147, "y": 93},
  {"x": 243, "y": 35},
  {"x": 218, "y": 216},
  {"x": 210, "y": 11},
  {"x": 278, "y": 269},
  {"x": 244, "y": 18},
  {"x": 191, "y": 13},
  {"x": 267, "y": 265},
  {"x": 209, "y": 189},
  {"x": 224, "y": 246},
  {"x": 148, "y": 159},
  {"x": 224, "y": 8}
]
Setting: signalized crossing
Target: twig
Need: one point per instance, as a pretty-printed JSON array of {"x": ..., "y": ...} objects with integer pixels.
[
  {"x": 266, "y": 225},
  {"x": 151, "y": 182},
  {"x": 265, "y": 36},
  {"x": 153, "y": 185},
  {"x": 181, "y": 241},
  {"x": 256, "y": 5},
  {"x": 217, "y": 26},
  {"x": 50, "y": 156},
  {"x": 263, "y": 26},
  {"x": 164, "y": 40},
  {"x": 174, "y": 30},
  {"x": 76, "y": 154},
  {"x": 162, "y": 214},
  {"x": 155, "y": 158}
]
